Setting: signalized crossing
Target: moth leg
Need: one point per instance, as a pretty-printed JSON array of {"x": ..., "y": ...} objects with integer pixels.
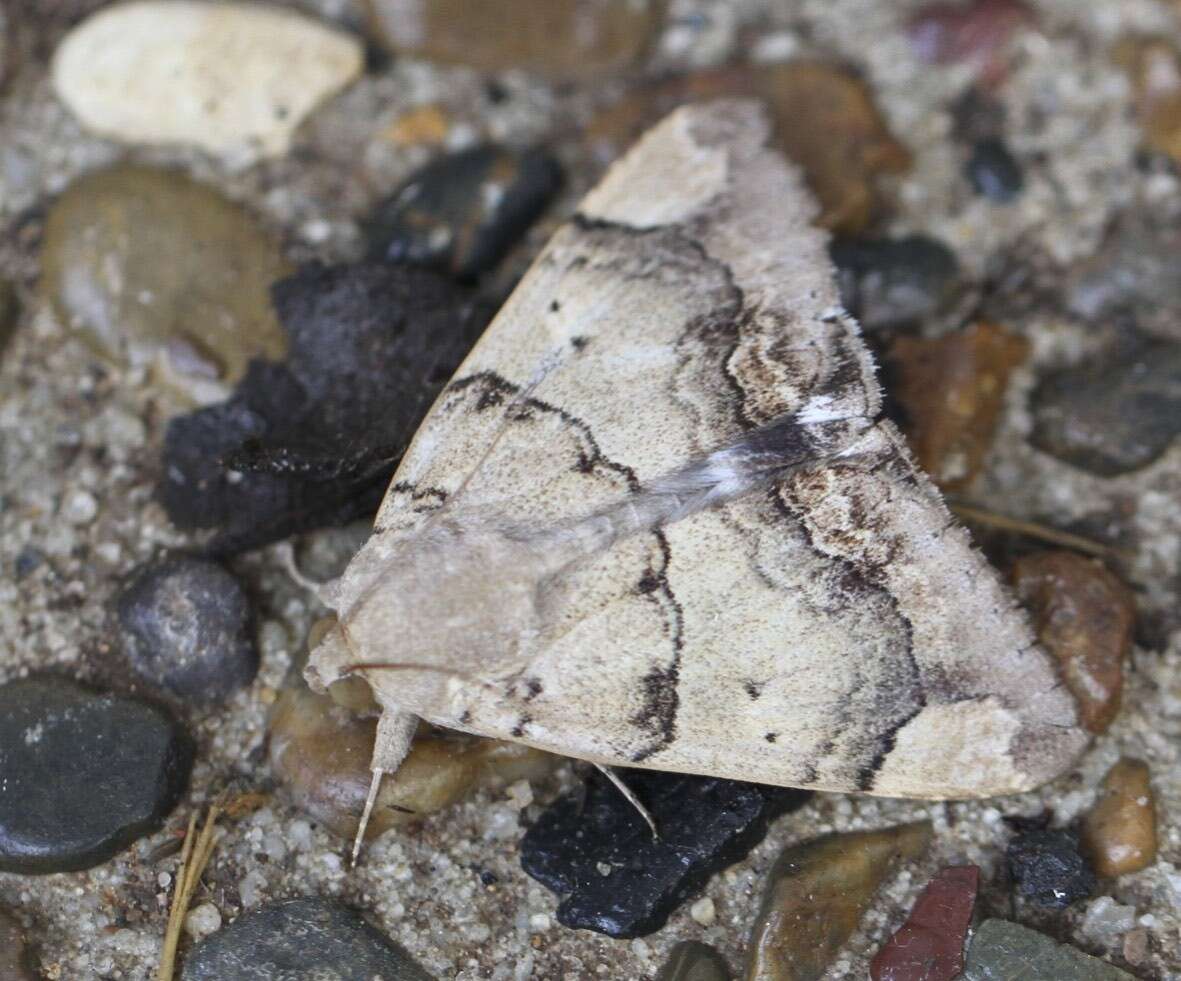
[
  {"x": 630, "y": 797},
  {"x": 395, "y": 732}
]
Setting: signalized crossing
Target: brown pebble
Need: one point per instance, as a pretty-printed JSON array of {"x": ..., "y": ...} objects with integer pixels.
[
  {"x": 422, "y": 126},
  {"x": 15, "y": 962},
  {"x": 1153, "y": 65},
  {"x": 825, "y": 119},
  {"x": 561, "y": 40},
  {"x": 1119, "y": 834},
  {"x": 952, "y": 389},
  {"x": 1084, "y": 616},
  {"x": 1135, "y": 947},
  {"x": 816, "y": 895}
]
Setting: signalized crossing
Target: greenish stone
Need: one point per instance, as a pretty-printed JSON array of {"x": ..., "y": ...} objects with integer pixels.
[
  {"x": 693, "y": 961},
  {"x": 152, "y": 268},
  {"x": 1003, "y": 951}
]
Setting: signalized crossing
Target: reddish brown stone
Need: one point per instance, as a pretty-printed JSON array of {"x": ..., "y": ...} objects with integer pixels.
[
  {"x": 977, "y": 33},
  {"x": 1084, "y": 616},
  {"x": 952, "y": 389},
  {"x": 824, "y": 116},
  {"x": 929, "y": 946},
  {"x": 1119, "y": 834},
  {"x": 1153, "y": 65}
]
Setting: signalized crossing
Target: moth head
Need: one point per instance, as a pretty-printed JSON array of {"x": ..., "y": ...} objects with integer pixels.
[{"x": 457, "y": 599}]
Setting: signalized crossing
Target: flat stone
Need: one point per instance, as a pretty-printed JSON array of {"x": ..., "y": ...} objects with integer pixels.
[
  {"x": 561, "y": 40},
  {"x": 693, "y": 961},
  {"x": 824, "y": 117},
  {"x": 1048, "y": 869},
  {"x": 151, "y": 268},
  {"x": 16, "y": 962},
  {"x": 320, "y": 750},
  {"x": 597, "y": 853},
  {"x": 1003, "y": 951},
  {"x": 994, "y": 172},
  {"x": 462, "y": 212},
  {"x": 929, "y": 946},
  {"x": 816, "y": 895},
  {"x": 952, "y": 389},
  {"x": 314, "y": 440},
  {"x": 1106, "y": 921},
  {"x": 1115, "y": 413},
  {"x": 1119, "y": 833},
  {"x": 234, "y": 79},
  {"x": 300, "y": 940},
  {"x": 889, "y": 283},
  {"x": 1085, "y": 617},
  {"x": 977, "y": 34},
  {"x": 82, "y": 774},
  {"x": 187, "y": 625}
]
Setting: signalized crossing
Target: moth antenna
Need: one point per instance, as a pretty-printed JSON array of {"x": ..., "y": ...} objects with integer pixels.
[{"x": 630, "y": 797}]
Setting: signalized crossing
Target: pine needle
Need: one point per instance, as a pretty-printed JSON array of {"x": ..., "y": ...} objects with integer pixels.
[
  {"x": 1032, "y": 529},
  {"x": 193, "y": 860}
]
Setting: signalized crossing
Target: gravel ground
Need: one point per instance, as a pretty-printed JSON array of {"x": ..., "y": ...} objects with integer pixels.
[{"x": 72, "y": 431}]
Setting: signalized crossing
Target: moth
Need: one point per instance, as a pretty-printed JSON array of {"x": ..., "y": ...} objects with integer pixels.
[{"x": 657, "y": 519}]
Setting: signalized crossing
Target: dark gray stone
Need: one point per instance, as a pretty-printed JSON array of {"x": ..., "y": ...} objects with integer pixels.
[
  {"x": 1048, "y": 868},
  {"x": 887, "y": 283},
  {"x": 693, "y": 961},
  {"x": 461, "y": 213},
  {"x": 82, "y": 774},
  {"x": 300, "y": 940},
  {"x": 1114, "y": 414},
  {"x": 994, "y": 172},
  {"x": 1003, "y": 951},
  {"x": 186, "y": 624},
  {"x": 705, "y": 824}
]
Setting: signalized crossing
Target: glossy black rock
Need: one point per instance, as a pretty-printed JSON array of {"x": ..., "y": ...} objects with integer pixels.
[
  {"x": 82, "y": 775},
  {"x": 1048, "y": 869},
  {"x": 598, "y": 854},
  {"x": 895, "y": 282}
]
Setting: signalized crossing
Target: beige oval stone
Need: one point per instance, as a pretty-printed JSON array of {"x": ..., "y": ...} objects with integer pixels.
[
  {"x": 1119, "y": 834},
  {"x": 152, "y": 268},
  {"x": 231, "y": 78}
]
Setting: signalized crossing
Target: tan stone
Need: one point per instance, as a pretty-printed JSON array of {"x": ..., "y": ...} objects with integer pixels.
[
  {"x": 1119, "y": 834},
  {"x": 421, "y": 126},
  {"x": 1154, "y": 66},
  {"x": 816, "y": 895}
]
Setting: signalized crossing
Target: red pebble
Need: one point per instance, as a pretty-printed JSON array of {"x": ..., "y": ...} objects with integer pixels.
[
  {"x": 929, "y": 946},
  {"x": 977, "y": 33}
]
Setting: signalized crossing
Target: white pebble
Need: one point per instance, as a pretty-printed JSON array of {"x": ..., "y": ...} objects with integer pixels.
[
  {"x": 703, "y": 911},
  {"x": 235, "y": 79},
  {"x": 251, "y": 887},
  {"x": 202, "y": 921},
  {"x": 1106, "y": 919},
  {"x": 79, "y": 507},
  {"x": 539, "y": 922},
  {"x": 520, "y": 795}
]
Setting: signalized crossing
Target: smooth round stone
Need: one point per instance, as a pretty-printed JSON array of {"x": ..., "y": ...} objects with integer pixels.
[
  {"x": 693, "y": 961},
  {"x": 186, "y": 624},
  {"x": 151, "y": 268},
  {"x": 82, "y": 775},
  {"x": 231, "y": 78},
  {"x": 300, "y": 940}
]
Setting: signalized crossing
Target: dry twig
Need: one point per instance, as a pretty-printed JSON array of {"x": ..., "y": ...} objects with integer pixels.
[{"x": 193, "y": 860}]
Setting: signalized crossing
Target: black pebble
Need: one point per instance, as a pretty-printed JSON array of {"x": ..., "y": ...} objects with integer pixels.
[
  {"x": 186, "y": 624},
  {"x": 82, "y": 775},
  {"x": 461, "y": 213},
  {"x": 705, "y": 824},
  {"x": 300, "y": 940},
  {"x": 995, "y": 172},
  {"x": 888, "y": 283},
  {"x": 313, "y": 441},
  {"x": 1048, "y": 868}
]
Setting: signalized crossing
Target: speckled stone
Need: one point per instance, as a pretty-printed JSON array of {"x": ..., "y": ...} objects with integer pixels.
[
  {"x": 889, "y": 283},
  {"x": 462, "y": 212},
  {"x": 561, "y": 40},
  {"x": 82, "y": 775},
  {"x": 231, "y": 78},
  {"x": 952, "y": 389},
  {"x": 929, "y": 946},
  {"x": 186, "y": 625},
  {"x": 1003, "y": 951},
  {"x": 1086, "y": 618},
  {"x": 1048, "y": 869},
  {"x": 817, "y": 893},
  {"x": 152, "y": 268},
  {"x": 1113, "y": 414},
  {"x": 693, "y": 961},
  {"x": 597, "y": 853},
  {"x": 15, "y": 960},
  {"x": 300, "y": 940},
  {"x": 994, "y": 172},
  {"x": 1119, "y": 833}
]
